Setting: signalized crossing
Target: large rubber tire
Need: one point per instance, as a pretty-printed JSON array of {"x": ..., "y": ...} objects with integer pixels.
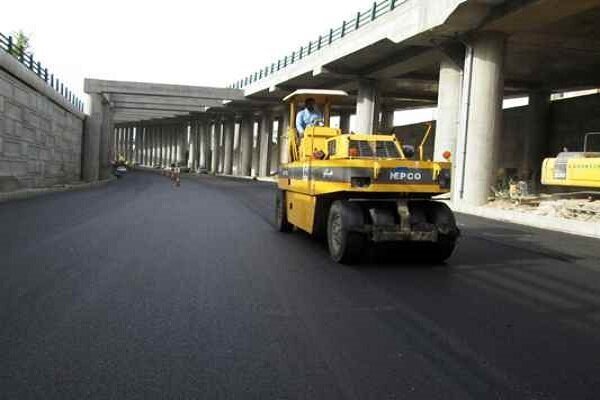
[
  {"x": 345, "y": 244},
  {"x": 440, "y": 251},
  {"x": 443, "y": 218},
  {"x": 281, "y": 221}
]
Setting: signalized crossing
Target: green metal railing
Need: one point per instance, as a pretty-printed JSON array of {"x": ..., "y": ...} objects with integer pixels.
[
  {"x": 7, "y": 44},
  {"x": 377, "y": 10}
]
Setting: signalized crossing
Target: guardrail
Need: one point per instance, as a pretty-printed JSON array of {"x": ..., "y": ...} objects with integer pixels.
[
  {"x": 379, "y": 9},
  {"x": 7, "y": 44}
]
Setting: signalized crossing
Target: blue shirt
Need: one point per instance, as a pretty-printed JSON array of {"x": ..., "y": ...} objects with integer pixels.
[{"x": 306, "y": 118}]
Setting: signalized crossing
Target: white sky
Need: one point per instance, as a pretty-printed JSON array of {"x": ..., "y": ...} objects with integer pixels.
[{"x": 202, "y": 42}]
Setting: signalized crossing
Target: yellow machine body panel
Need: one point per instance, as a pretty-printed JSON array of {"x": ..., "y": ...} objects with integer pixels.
[
  {"x": 301, "y": 210},
  {"x": 318, "y": 177},
  {"x": 572, "y": 169}
]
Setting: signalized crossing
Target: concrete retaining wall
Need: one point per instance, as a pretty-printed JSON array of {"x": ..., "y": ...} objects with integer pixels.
[{"x": 40, "y": 136}]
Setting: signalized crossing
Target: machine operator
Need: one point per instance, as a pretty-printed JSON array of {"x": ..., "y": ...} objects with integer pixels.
[{"x": 309, "y": 116}]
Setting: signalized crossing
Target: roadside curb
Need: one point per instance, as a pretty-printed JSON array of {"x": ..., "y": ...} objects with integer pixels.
[
  {"x": 580, "y": 228},
  {"x": 31, "y": 193},
  {"x": 190, "y": 175}
]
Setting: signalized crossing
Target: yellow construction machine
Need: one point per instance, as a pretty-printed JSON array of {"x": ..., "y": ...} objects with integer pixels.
[
  {"x": 574, "y": 169},
  {"x": 361, "y": 188}
]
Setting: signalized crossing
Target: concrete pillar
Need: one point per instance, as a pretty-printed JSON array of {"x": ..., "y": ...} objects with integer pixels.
[
  {"x": 229, "y": 130},
  {"x": 91, "y": 140},
  {"x": 264, "y": 144},
  {"x": 193, "y": 147},
  {"x": 136, "y": 157},
  {"x": 536, "y": 139},
  {"x": 284, "y": 126},
  {"x": 345, "y": 121},
  {"x": 130, "y": 137},
  {"x": 202, "y": 144},
  {"x": 448, "y": 110},
  {"x": 148, "y": 140},
  {"x": 255, "y": 148},
  {"x": 182, "y": 141},
  {"x": 387, "y": 120},
  {"x": 142, "y": 144},
  {"x": 111, "y": 135},
  {"x": 367, "y": 112},
  {"x": 122, "y": 133},
  {"x": 216, "y": 143},
  {"x": 246, "y": 141},
  {"x": 105, "y": 135},
  {"x": 171, "y": 147},
  {"x": 484, "y": 88}
]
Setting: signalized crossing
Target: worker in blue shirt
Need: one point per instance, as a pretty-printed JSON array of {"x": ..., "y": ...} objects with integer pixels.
[{"x": 309, "y": 116}]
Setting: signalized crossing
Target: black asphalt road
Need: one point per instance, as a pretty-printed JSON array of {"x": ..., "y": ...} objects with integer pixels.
[{"x": 136, "y": 290}]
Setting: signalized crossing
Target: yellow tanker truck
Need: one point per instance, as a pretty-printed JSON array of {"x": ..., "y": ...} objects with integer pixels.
[{"x": 361, "y": 188}]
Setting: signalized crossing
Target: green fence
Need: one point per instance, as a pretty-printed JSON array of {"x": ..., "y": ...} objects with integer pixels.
[
  {"x": 27, "y": 59},
  {"x": 377, "y": 10}
]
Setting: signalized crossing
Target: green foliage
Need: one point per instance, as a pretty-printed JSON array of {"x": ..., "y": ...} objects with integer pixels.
[{"x": 21, "y": 43}]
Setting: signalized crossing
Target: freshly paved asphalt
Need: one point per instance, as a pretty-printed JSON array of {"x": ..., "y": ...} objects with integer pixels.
[{"x": 137, "y": 290}]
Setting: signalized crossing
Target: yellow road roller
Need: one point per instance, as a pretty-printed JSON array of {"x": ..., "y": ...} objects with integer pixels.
[
  {"x": 575, "y": 169},
  {"x": 361, "y": 188}
]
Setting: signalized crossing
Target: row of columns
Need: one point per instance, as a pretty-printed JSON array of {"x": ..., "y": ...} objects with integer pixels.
[{"x": 222, "y": 144}]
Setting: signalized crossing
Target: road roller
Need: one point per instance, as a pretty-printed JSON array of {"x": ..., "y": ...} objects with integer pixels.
[{"x": 357, "y": 189}]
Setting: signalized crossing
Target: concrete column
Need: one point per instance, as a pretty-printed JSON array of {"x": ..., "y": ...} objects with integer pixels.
[
  {"x": 136, "y": 158},
  {"x": 111, "y": 135},
  {"x": 158, "y": 150},
  {"x": 246, "y": 141},
  {"x": 229, "y": 131},
  {"x": 169, "y": 157},
  {"x": 448, "y": 109},
  {"x": 215, "y": 142},
  {"x": 117, "y": 141},
  {"x": 284, "y": 126},
  {"x": 148, "y": 140},
  {"x": 91, "y": 141},
  {"x": 202, "y": 144},
  {"x": 536, "y": 140},
  {"x": 483, "y": 117},
  {"x": 142, "y": 144},
  {"x": 264, "y": 145},
  {"x": 193, "y": 147},
  {"x": 105, "y": 135},
  {"x": 387, "y": 120},
  {"x": 182, "y": 141},
  {"x": 122, "y": 134},
  {"x": 367, "y": 112},
  {"x": 256, "y": 150},
  {"x": 130, "y": 143}
]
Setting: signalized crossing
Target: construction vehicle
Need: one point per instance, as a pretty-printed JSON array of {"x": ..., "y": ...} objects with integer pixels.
[
  {"x": 361, "y": 188},
  {"x": 574, "y": 169}
]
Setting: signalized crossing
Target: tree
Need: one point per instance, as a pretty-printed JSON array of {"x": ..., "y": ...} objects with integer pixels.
[{"x": 20, "y": 43}]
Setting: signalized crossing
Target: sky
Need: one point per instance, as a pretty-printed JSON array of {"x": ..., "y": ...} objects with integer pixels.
[{"x": 205, "y": 43}]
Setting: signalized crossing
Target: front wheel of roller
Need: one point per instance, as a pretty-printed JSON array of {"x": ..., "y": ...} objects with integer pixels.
[{"x": 345, "y": 245}]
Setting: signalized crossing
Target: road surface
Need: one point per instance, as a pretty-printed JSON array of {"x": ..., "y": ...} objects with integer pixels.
[{"x": 138, "y": 290}]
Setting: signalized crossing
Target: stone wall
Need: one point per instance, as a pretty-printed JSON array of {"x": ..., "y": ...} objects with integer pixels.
[{"x": 40, "y": 139}]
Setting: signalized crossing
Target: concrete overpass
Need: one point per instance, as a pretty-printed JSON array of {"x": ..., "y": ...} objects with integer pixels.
[{"x": 464, "y": 56}]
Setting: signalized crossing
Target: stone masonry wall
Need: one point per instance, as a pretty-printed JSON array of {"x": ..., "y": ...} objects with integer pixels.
[{"x": 40, "y": 141}]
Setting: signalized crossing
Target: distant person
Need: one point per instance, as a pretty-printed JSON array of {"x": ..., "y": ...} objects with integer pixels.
[
  {"x": 175, "y": 175},
  {"x": 309, "y": 116}
]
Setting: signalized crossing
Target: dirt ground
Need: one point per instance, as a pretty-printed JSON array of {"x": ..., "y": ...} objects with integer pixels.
[{"x": 574, "y": 209}]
